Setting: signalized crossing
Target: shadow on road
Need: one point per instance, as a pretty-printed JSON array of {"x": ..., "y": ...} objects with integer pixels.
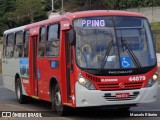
[
  {"x": 97, "y": 113},
  {"x": 80, "y": 112}
]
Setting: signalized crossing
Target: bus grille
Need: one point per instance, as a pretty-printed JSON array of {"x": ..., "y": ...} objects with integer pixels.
[
  {"x": 91, "y": 77},
  {"x": 127, "y": 86},
  {"x": 115, "y": 86},
  {"x": 108, "y": 97}
]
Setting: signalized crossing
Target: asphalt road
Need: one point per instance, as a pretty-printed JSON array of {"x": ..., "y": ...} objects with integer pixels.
[{"x": 8, "y": 102}]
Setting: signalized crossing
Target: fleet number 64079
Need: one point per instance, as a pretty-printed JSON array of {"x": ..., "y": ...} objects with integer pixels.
[{"x": 137, "y": 78}]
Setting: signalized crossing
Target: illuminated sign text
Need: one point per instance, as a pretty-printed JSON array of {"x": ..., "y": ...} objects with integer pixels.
[{"x": 93, "y": 23}]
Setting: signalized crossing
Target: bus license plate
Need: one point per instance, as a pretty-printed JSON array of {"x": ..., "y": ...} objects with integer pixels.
[{"x": 122, "y": 95}]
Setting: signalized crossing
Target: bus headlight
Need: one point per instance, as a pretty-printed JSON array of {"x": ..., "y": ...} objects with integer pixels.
[
  {"x": 86, "y": 83},
  {"x": 152, "y": 80},
  {"x": 155, "y": 77},
  {"x": 82, "y": 81}
]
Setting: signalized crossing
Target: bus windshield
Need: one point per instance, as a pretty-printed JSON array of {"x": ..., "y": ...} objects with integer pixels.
[{"x": 114, "y": 42}]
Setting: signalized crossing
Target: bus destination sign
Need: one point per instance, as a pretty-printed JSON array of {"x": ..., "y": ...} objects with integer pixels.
[{"x": 93, "y": 23}]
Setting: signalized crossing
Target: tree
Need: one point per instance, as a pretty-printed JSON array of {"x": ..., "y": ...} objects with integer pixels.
[
  {"x": 47, "y": 4},
  {"x": 108, "y": 4},
  {"x": 134, "y": 3},
  {"x": 28, "y": 9},
  {"x": 6, "y": 6},
  {"x": 15, "y": 13}
]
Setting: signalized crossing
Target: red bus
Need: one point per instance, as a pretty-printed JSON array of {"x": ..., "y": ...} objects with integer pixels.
[{"x": 83, "y": 59}]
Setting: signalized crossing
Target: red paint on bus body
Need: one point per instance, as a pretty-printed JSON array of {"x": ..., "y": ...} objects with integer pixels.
[{"x": 47, "y": 73}]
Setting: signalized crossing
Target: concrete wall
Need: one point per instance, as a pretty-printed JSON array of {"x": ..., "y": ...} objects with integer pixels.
[{"x": 152, "y": 13}]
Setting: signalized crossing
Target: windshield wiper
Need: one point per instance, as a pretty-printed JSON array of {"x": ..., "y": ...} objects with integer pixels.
[
  {"x": 106, "y": 54},
  {"x": 131, "y": 54}
]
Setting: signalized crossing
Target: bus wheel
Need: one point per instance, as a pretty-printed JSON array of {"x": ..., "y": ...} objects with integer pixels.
[
  {"x": 22, "y": 99},
  {"x": 57, "y": 101}
]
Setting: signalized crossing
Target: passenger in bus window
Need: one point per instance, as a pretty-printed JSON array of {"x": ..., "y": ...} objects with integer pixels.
[
  {"x": 55, "y": 47},
  {"x": 41, "y": 52},
  {"x": 87, "y": 52}
]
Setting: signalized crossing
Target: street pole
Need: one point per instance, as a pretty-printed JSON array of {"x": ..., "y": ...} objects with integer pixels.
[
  {"x": 62, "y": 6},
  {"x": 52, "y": 5}
]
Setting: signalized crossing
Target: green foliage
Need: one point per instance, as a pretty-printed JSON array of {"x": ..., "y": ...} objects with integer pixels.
[
  {"x": 47, "y": 5},
  {"x": 6, "y": 6},
  {"x": 155, "y": 26},
  {"x": 108, "y": 4},
  {"x": 28, "y": 9},
  {"x": 16, "y": 13},
  {"x": 132, "y": 3},
  {"x": 76, "y": 5}
]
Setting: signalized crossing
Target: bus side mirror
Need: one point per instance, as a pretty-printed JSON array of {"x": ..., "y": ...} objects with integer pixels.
[{"x": 71, "y": 37}]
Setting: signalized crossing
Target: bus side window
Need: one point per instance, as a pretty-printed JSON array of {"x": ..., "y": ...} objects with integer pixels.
[
  {"x": 42, "y": 41},
  {"x": 18, "y": 50},
  {"x": 10, "y": 45},
  {"x": 26, "y": 43},
  {"x": 53, "y": 41},
  {"x": 4, "y": 45}
]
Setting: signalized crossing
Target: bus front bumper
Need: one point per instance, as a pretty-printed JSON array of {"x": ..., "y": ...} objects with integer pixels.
[{"x": 91, "y": 98}]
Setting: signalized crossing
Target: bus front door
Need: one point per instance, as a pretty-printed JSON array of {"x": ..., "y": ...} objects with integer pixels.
[
  {"x": 33, "y": 62},
  {"x": 69, "y": 69}
]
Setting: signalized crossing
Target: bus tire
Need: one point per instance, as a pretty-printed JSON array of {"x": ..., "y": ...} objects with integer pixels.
[
  {"x": 57, "y": 101},
  {"x": 22, "y": 99}
]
